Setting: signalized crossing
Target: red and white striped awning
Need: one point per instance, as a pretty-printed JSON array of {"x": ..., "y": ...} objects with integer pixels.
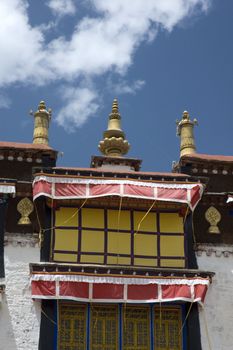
[
  {"x": 77, "y": 188},
  {"x": 112, "y": 289}
]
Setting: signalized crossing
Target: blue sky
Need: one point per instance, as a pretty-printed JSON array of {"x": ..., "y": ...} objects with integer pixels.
[{"x": 158, "y": 57}]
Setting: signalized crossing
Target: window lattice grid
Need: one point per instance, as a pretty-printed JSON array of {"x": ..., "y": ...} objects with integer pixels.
[
  {"x": 167, "y": 326},
  {"x": 72, "y": 327},
  {"x": 135, "y": 323},
  {"x": 104, "y": 236},
  {"x": 136, "y": 328},
  {"x": 104, "y": 327}
]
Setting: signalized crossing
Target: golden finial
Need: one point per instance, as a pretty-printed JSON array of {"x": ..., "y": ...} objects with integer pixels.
[
  {"x": 114, "y": 143},
  {"x": 185, "y": 131},
  {"x": 41, "y": 125},
  {"x": 115, "y": 106},
  {"x": 41, "y": 105}
]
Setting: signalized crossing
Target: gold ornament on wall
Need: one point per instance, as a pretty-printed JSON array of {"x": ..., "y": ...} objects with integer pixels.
[
  {"x": 25, "y": 208},
  {"x": 213, "y": 217}
]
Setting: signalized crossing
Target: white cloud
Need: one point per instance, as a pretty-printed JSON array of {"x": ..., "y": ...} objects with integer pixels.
[
  {"x": 21, "y": 45},
  {"x": 62, "y": 7},
  {"x": 124, "y": 87},
  {"x": 102, "y": 44},
  {"x": 80, "y": 104},
  {"x": 5, "y": 102}
]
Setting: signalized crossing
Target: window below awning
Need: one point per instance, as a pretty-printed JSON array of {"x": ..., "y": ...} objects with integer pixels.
[
  {"x": 77, "y": 188},
  {"x": 113, "y": 327}
]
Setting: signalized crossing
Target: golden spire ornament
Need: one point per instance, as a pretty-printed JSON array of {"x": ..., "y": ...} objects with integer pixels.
[
  {"x": 185, "y": 131},
  {"x": 114, "y": 143},
  {"x": 41, "y": 125}
]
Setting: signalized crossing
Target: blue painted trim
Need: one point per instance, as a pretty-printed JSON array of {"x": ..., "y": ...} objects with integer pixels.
[
  {"x": 120, "y": 328},
  {"x": 88, "y": 326},
  {"x": 151, "y": 326},
  {"x": 55, "y": 342},
  {"x": 184, "y": 331}
]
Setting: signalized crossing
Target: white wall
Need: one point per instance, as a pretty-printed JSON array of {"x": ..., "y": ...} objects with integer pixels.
[
  {"x": 219, "y": 298},
  {"x": 19, "y": 315}
]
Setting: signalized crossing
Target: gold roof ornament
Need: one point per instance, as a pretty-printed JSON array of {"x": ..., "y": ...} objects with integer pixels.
[
  {"x": 114, "y": 143},
  {"x": 185, "y": 131},
  {"x": 42, "y": 118}
]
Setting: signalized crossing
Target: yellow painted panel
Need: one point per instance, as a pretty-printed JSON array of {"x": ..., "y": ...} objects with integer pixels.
[
  {"x": 145, "y": 244},
  {"x": 93, "y": 218},
  {"x": 92, "y": 241},
  {"x": 66, "y": 240},
  {"x": 66, "y": 217},
  {"x": 148, "y": 224},
  {"x": 95, "y": 259},
  {"x": 172, "y": 245},
  {"x": 65, "y": 257},
  {"x": 145, "y": 262},
  {"x": 119, "y": 242},
  {"x": 171, "y": 222},
  {"x": 114, "y": 260},
  {"x": 124, "y": 222},
  {"x": 172, "y": 263}
]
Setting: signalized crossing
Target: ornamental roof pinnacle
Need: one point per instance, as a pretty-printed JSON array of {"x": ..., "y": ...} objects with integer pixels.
[
  {"x": 41, "y": 124},
  {"x": 185, "y": 131},
  {"x": 114, "y": 143}
]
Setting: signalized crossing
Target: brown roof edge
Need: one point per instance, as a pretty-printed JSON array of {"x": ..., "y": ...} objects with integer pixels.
[
  {"x": 207, "y": 157},
  {"x": 25, "y": 146},
  {"x": 50, "y": 267},
  {"x": 136, "y": 173}
]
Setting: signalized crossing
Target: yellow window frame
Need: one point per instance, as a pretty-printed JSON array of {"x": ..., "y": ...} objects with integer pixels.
[
  {"x": 136, "y": 328},
  {"x": 70, "y": 316},
  {"x": 167, "y": 328},
  {"x": 103, "y": 318}
]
